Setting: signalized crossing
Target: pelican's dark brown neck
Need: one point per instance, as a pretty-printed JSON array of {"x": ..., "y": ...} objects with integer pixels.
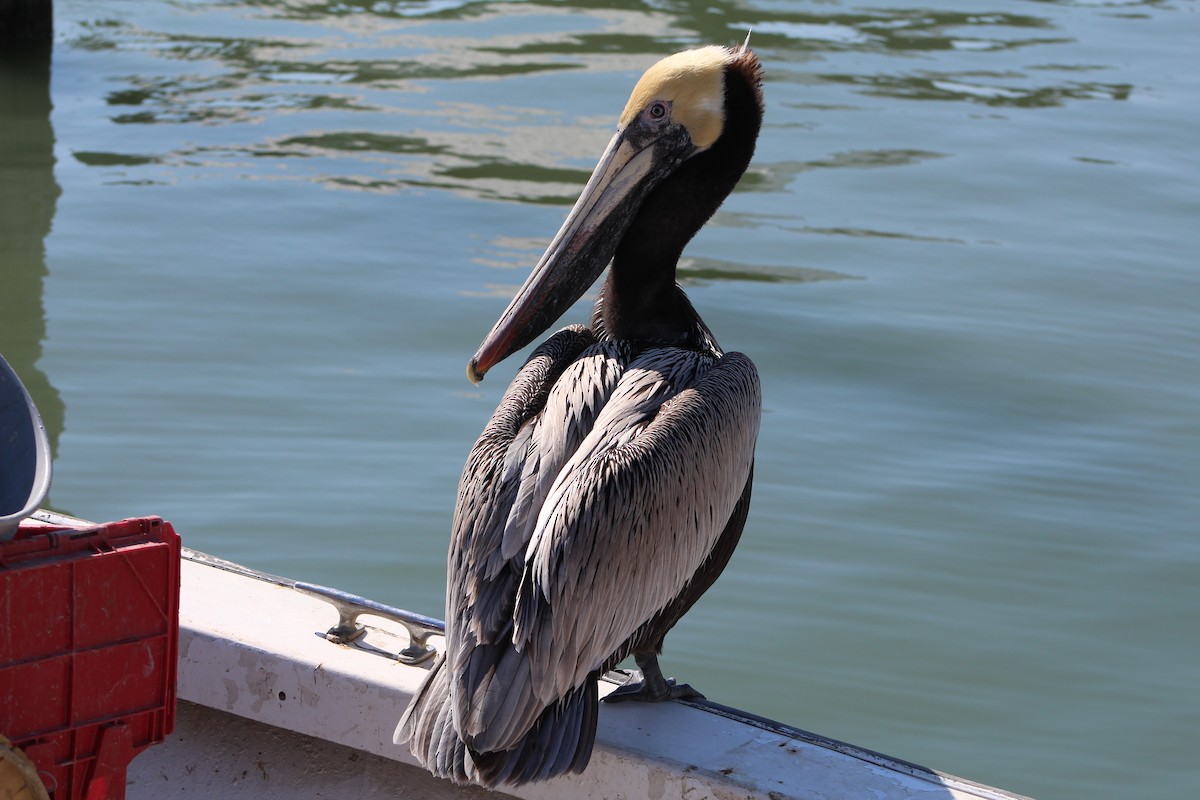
[
  {"x": 658, "y": 314},
  {"x": 640, "y": 300}
]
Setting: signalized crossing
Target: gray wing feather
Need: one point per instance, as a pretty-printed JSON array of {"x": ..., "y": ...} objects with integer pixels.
[
  {"x": 634, "y": 512},
  {"x": 568, "y": 416},
  {"x": 495, "y": 703},
  {"x": 482, "y": 584},
  {"x": 490, "y": 481}
]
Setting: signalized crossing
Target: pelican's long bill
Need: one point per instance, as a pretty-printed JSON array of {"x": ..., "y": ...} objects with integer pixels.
[{"x": 637, "y": 158}]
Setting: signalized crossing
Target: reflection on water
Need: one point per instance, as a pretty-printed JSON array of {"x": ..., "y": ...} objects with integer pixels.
[
  {"x": 697, "y": 271},
  {"x": 28, "y": 193},
  {"x": 378, "y": 62},
  {"x": 970, "y": 87},
  {"x": 906, "y": 30}
]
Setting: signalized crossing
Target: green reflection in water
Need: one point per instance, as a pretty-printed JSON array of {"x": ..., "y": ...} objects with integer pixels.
[
  {"x": 970, "y": 88},
  {"x": 28, "y": 197},
  {"x": 93, "y": 159},
  {"x": 377, "y": 58},
  {"x": 702, "y": 270},
  {"x": 355, "y": 141}
]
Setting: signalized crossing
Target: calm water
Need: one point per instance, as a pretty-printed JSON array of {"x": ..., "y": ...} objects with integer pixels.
[{"x": 248, "y": 252}]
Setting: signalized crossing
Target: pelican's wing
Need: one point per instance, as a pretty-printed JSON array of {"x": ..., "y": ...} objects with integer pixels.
[
  {"x": 540, "y": 421},
  {"x": 480, "y": 588},
  {"x": 634, "y": 512}
]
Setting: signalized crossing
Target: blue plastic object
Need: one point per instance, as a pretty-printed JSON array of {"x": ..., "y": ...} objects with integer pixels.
[{"x": 24, "y": 453}]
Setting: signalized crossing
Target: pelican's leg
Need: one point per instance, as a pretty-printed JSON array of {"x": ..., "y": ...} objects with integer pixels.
[{"x": 651, "y": 686}]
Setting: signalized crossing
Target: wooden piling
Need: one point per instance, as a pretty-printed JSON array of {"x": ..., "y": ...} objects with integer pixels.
[{"x": 26, "y": 24}]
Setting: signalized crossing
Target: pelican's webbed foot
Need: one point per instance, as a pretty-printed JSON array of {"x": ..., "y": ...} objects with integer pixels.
[{"x": 647, "y": 685}]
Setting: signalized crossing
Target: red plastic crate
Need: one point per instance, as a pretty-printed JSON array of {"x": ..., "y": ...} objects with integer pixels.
[{"x": 89, "y": 632}]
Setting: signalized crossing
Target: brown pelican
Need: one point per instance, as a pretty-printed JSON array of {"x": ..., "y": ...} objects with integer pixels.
[{"x": 611, "y": 485}]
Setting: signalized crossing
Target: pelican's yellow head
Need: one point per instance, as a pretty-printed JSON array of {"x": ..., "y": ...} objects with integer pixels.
[{"x": 690, "y": 88}]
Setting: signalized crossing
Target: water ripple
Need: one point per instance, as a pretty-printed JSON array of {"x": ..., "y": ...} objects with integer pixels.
[{"x": 971, "y": 88}]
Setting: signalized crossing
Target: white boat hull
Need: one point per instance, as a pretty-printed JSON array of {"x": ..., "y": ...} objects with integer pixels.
[{"x": 273, "y": 709}]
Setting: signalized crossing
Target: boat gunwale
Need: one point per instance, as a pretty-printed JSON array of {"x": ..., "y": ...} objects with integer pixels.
[{"x": 955, "y": 785}]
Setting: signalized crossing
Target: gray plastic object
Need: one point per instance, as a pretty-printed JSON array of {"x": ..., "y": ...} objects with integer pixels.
[{"x": 24, "y": 453}]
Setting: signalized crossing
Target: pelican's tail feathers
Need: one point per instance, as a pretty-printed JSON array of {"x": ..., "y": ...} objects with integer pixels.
[
  {"x": 427, "y": 726},
  {"x": 560, "y": 741}
]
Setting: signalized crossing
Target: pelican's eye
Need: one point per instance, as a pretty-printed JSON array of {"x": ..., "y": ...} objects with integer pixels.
[{"x": 658, "y": 110}]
